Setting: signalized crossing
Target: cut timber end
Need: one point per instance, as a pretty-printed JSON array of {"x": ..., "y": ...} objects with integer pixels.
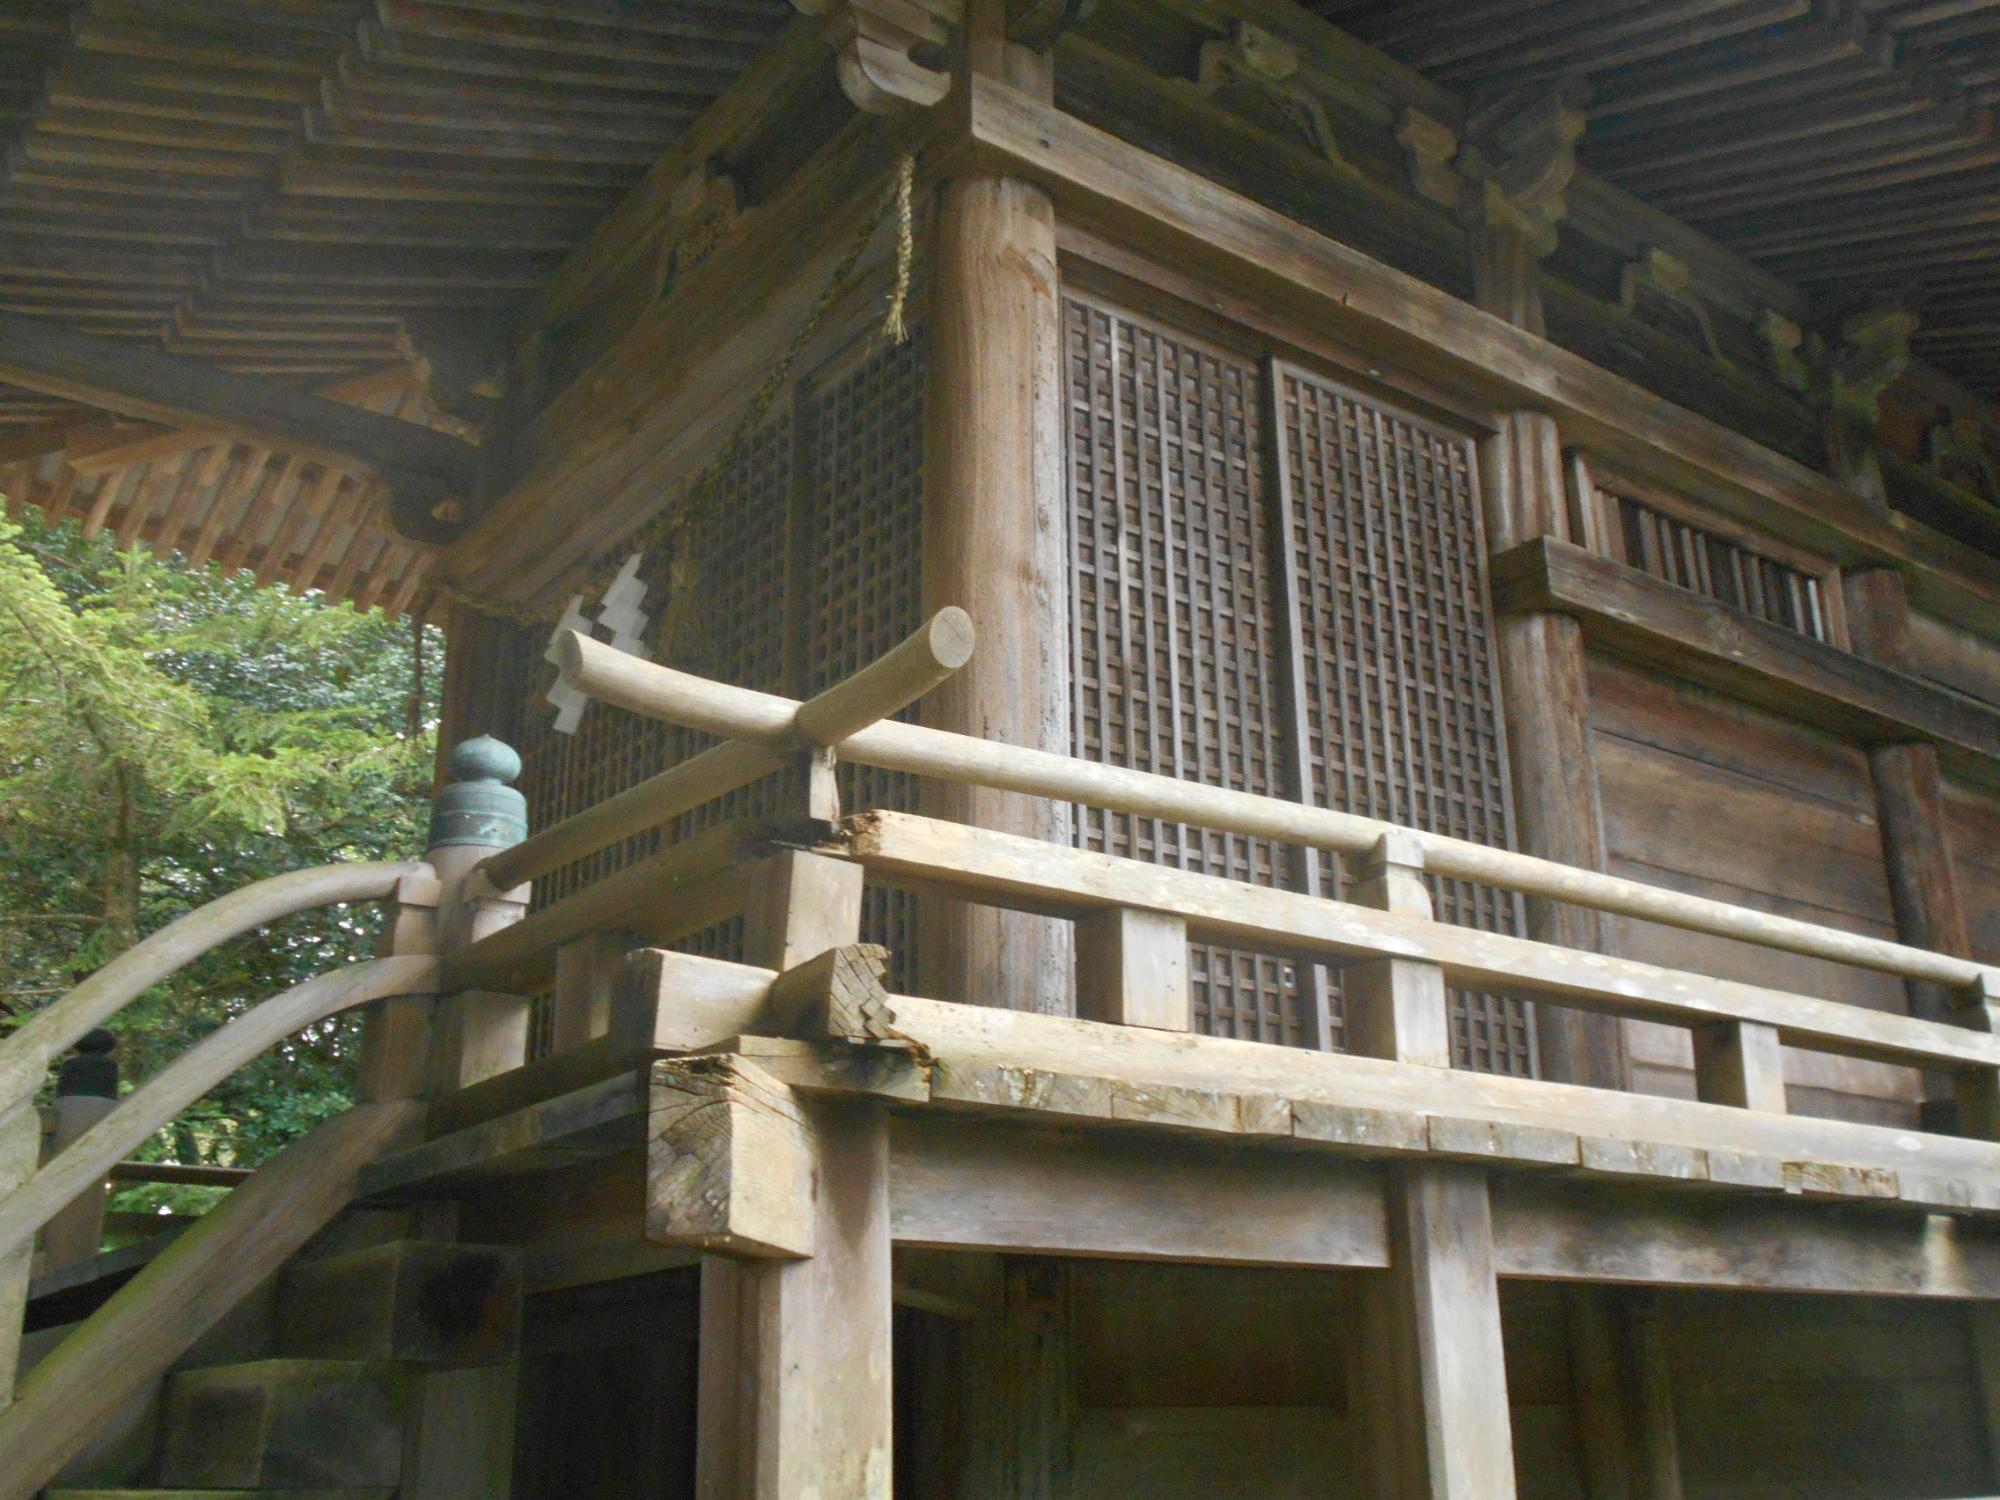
[{"x": 730, "y": 1161}]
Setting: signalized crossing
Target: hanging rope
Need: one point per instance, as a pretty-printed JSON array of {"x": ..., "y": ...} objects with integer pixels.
[{"x": 675, "y": 523}]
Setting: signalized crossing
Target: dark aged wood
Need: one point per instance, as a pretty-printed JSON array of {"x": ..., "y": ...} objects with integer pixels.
[
  {"x": 1669, "y": 628},
  {"x": 424, "y": 469}
]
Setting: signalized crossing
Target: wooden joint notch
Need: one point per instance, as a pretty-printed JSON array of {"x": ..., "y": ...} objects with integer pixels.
[
  {"x": 730, "y": 1161},
  {"x": 840, "y": 995},
  {"x": 1396, "y": 1007}
]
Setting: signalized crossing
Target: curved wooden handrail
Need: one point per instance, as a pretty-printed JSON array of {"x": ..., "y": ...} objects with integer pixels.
[
  {"x": 90, "y": 1157},
  {"x": 25, "y": 1056},
  {"x": 153, "y": 1320}
]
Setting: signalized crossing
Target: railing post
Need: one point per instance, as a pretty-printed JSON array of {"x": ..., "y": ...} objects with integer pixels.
[
  {"x": 793, "y": 1390},
  {"x": 1132, "y": 970},
  {"x": 86, "y": 1091},
  {"x": 20, "y": 1154},
  {"x": 1740, "y": 1063},
  {"x": 1978, "y": 1090},
  {"x": 478, "y": 1034},
  {"x": 1396, "y": 1007},
  {"x": 396, "y": 1035}
]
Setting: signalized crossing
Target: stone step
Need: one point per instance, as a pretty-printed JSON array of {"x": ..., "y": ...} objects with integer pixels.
[
  {"x": 286, "y": 1424},
  {"x": 417, "y": 1301}
]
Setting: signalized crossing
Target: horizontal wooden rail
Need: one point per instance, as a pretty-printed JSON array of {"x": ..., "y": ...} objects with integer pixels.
[
  {"x": 25, "y": 1056},
  {"x": 697, "y": 703},
  {"x": 91, "y": 1157},
  {"x": 1006, "y": 870},
  {"x": 883, "y": 687}
]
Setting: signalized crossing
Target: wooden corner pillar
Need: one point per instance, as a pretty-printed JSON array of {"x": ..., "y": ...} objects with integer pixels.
[
  {"x": 790, "y": 1196},
  {"x": 1524, "y": 162},
  {"x": 1434, "y": 1399},
  {"x": 996, "y": 538}
]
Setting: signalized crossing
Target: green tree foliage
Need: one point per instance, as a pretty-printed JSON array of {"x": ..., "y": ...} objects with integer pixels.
[{"x": 167, "y": 736}]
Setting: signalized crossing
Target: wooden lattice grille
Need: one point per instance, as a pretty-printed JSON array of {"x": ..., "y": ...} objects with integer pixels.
[
  {"x": 1720, "y": 568},
  {"x": 863, "y": 539},
  {"x": 804, "y": 566},
  {"x": 1176, "y": 656},
  {"x": 1400, "y": 709}
]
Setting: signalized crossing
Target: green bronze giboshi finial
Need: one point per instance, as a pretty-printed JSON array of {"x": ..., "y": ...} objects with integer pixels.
[{"x": 478, "y": 806}]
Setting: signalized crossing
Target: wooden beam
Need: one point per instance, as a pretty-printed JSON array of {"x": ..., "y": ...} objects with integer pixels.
[
  {"x": 1176, "y": 215},
  {"x": 423, "y": 468},
  {"x": 1641, "y": 618},
  {"x": 730, "y": 1165}
]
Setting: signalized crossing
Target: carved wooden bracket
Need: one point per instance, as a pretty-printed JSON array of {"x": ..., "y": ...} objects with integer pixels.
[
  {"x": 1955, "y": 451},
  {"x": 1518, "y": 158},
  {"x": 1266, "y": 66},
  {"x": 1664, "y": 278},
  {"x": 701, "y": 212},
  {"x": 1845, "y": 384},
  {"x": 888, "y": 49},
  {"x": 1512, "y": 169}
]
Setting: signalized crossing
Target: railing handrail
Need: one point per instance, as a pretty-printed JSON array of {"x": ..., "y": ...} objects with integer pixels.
[
  {"x": 611, "y": 676},
  {"x": 26, "y": 1055},
  {"x": 90, "y": 1158}
]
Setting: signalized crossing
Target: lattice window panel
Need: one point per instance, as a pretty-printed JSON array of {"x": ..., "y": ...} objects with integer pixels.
[
  {"x": 1176, "y": 635},
  {"x": 1719, "y": 567},
  {"x": 736, "y": 633},
  {"x": 1401, "y": 714},
  {"x": 862, "y": 560}
]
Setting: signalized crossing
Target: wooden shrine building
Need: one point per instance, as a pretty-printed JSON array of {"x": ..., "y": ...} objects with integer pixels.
[{"x": 1260, "y": 739}]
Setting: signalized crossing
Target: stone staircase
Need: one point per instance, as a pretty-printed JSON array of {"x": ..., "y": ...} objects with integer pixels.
[{"x": 369, "y": 1349}]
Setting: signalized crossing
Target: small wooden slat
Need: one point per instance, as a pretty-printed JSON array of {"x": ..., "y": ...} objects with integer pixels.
[
  {"x": 140, "y": 506},
  {"x": 270, "y": 498},
  {"x": 56, "y": 508},
  {"x": 308, "y": 506},
  {"x": 108, "y": 490},
  {"x": 199, "y": 475},
  {"x": 345, "y": 511},
  {"x": 249, "y": 472}
]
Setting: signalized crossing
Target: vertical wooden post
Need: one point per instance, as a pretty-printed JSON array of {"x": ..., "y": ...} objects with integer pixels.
[
  {"x": 1545, "y": 698},
  {"x": 1740, "y": 1063},
  {"x": 1396, "y": 1007},
  {"x": 20, "y": 1154},
  {"x": 1597, "y": 1389},
  {"x": 580, "y": 1003},
  {"x": 1657, "y": 1439},
  {"x": 1909, "y": 796},
  {"x": 471, "y": 702},
  {"x": 477, "y": 1034},
  {"x": 1132, "y": 970},
  {"x": 396, "y": 1034},
  {"x": 795, "y": 1361},
  {"x": 996, "y": 541},
  {"x": 1437, "y": 1398},
  {"x": 1021, "y": 1388},
  {"x": 86, "y": 1091}
]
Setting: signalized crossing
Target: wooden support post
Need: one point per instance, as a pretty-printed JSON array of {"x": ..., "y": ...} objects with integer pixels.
[
  {"x": 1740, "y": 1063},
  {"x": 995, "y": 543},
  {"x": 20, "y": 1154},
  {"x": 396, "y": 1035},
  {"x": 1020, "y": 1396},
  {"x": 1597, "y": 1390},
  {"x": 1132, "y": 970},
  {"x": 1437, "y": 1397},
  {"x": 1396, "y": 1007},
  {"x": 1545, "y": 698},
  {"x": 586, "y": 971},
  {"x": 1657, "y": 1444},
  {"x": 795, "y": 1361},
  {"x": 800, "y": 905},
  {"x": 86, "y": 1091}
]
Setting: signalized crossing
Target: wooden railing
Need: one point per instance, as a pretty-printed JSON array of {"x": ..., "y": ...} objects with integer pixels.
[{"x": 1134, "y": 919}]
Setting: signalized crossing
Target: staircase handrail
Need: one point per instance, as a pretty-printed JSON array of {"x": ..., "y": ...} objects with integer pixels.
[
  {"x": 90, "y": 1158},
  {"x": 26, "y": 1055}
]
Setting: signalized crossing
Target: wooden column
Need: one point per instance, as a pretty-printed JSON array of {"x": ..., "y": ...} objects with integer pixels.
[
  {"x": 1909, "y": 797},
  {"x": 996, "y": 543},
  {"x": 1436, "y": 1399},
  {"x": 1545, "y": 697},
  {"x": 475, "y": 652},
  {"x": 1020, "y": 1395},
  {"x": 795, "y": 1361}
]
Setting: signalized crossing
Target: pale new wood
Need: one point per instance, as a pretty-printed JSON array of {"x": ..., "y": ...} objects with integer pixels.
[
  {"x": 76, "y": 1230},
  {"x": 20, "y": 1154},
  {"x": 942, "y": 645},
  {"x": 1132, "y": 970},
  {"x": 659, "y": 692},
  {"x": 794, "y": 1386},
  {"x": 194, "y": 1073},
  {"x": 26, "y": 1055},
  {"x": 978, "y": 865},
  {"x": 730, "y": 1165},
  {"x": 580, "y": 1004},
  {"x": 1395, "y": 1008},
  {"x": 152, "y": 1320},
  {"x": 1444, "y": 1314},
  {"x": 799, "y": 905},
  {"x": 1063, "y": 1071},
  {"x": 995, "y": 500}
]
